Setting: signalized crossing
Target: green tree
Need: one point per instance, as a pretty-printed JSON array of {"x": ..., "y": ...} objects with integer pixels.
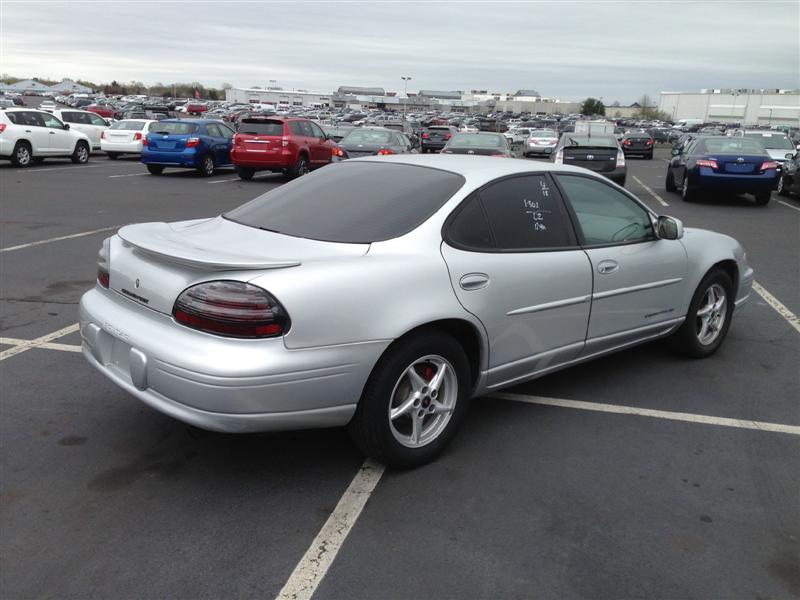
[{"x": 592, "y": 106}]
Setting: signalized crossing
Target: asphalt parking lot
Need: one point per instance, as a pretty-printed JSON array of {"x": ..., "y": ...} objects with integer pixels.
[{"x": 637, "y": 475}]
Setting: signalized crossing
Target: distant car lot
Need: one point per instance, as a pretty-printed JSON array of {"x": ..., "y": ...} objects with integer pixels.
[{"x": 540, "y": 494}]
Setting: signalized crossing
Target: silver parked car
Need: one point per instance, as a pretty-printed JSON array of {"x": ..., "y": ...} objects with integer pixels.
[{"x": 385, "y": 292}]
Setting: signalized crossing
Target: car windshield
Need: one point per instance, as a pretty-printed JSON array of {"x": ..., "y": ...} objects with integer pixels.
[
  {"x": 173, "y": 128},
  {"x": 352, "y": 202},
  {"x": 261, "y": 127},
  {"x": 730, "y": 146},
  {"x": 367, "y": 136},
  {"x": 128, "y": 125},
  {"x": 475, "y": 140},
  {"x": 773, "y": 141},
  {"x": 595, "y": 140}
]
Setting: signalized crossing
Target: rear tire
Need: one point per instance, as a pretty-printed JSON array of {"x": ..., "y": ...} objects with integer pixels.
[
  {"x": 155, "y": 169},
  {"x": 687, "y": 340},
  {"x": 80, "y": 155},
  {"x": 670, "y": 182},
  {"x": 433, "y": 415},
  {"x": 21, "y": 156},
  {"x": 650, "y": 156},
  {"x": 245, "y": 173},
  {"x": 763, "y": 198},
  {"x": 206, "y": 166},
  {"x": 300, "y": 168},
  {"x": 112, "y": 155}
]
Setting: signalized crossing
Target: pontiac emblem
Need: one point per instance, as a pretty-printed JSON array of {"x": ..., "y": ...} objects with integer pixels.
[{"x": 136, "y": 284}]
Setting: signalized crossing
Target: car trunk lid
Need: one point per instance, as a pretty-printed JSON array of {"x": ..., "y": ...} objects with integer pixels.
[
  {"x": 599, "y": 159},
  {"x": 742, "y": 164}
]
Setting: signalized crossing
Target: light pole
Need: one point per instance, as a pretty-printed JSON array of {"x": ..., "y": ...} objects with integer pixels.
[{"x": 405, "y": 94}]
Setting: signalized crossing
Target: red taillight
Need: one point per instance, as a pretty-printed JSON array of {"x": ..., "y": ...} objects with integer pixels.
[
  {"x": 337, "y": 152},
  {"x": 627, "y": 142},
  {"x": 425, "y": 136},
  {"x": 385, "y": 151},
  {"x": 447, "y": 136},
  {"x": 137, "y": 136},
  {"x": 231, "y": 308},
  {"x": 712, "y": 164},
  {"x": 2, "y": 127},
  {"x": 648, "y": 142},
  {"x": 192, "y": 142},
  {"x": 620, "y": 159},
  {"x": 144, "y": 141},
  {"x": 104, "y": 263},
  {"x": 284, "y": 141},
  {"x": 767, "y": 165}
]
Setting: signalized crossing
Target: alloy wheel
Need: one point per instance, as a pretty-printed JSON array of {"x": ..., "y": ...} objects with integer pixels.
[
  {"x": 711, "y": 315},
  {"x": 422, "y": 401},
  {"x": 83, "y": 154},
  {"x": 23, "y": 155}
]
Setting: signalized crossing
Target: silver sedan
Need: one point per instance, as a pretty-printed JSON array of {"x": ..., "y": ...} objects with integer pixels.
[{"x": 383, "y": 293}]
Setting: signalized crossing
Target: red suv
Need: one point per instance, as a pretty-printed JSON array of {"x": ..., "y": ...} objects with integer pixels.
[{"x": 290, "y": 145}]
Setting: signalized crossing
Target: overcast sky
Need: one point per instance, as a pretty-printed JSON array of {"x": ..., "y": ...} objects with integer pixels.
[{"x": 569, "y": 50}]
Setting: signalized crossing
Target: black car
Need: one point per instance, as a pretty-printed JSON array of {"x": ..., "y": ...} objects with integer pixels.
[
  {"x": 639, "y": 144},
  {"x": 599, "y": 153},
  {"x": 487, "y": 144},
  {"x": 436, "y": 136},
  {"x": 789, "y": 183},
  {"x": 404, "y": 128},
  {"x": 371, "y": 141}
]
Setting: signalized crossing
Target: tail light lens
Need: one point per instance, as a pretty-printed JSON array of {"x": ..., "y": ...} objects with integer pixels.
[
  {"x": 231, "y": 308},
  {"x": 712, "y": 164},
  {"x": 385, "y": 151},
  {"x": 104, "y": 263},
  {"x": 447, "y": 136},
  {"x": 767, "y": 165},
  {"x": 337, "y": 152},
  {"x": 192, "y": 142},
  {"x": 2, "y": 127},
  {"x": 137, "y": 136},
  {"x": 425, "y": 136},
  {"x": 627, "y": 143},
  {"x": 285, "y": 142},
  {"x": 620, "y": 159},
  {"x": 144, "y": 141},
  {"x": 559, "y": 160},
  {"x": 648, "y": 143}
]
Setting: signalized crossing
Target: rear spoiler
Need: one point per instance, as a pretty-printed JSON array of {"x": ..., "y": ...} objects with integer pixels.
[{"x": 163, "y": 242}]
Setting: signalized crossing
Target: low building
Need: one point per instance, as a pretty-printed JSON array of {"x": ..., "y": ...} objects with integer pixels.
[
  {"x": 345, "y": 90},
  {"x": 285, "y": 98},
  {"x": 439, "y": 95},
  {"x": 744, "y": 106},
  {"x": 27, "y": 85},
  {"x": 67, "y": 86}
]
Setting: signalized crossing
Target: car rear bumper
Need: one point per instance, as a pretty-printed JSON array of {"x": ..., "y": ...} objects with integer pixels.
[
  {"x": 186, "y": 158},
  {"x": 134, "y": 147},
  {"x": 708, "y": 179},
  {"x": 544, "y": 150},
  {"x": 637, "y": 151},
  {"x": 263, "y": 161},
  {"x": 217, "y": 383},
  {"x": 426, "y": 145}
]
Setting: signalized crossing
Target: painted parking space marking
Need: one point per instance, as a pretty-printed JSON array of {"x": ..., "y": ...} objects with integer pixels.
[
  {"x": 46, "y": 345},
  {"x": 315, "y": 563},
  {"x": 37, "y": 342},
  {"x": 128, "y": 175},
  {"x": 48, "y": 169},
  {"x": 797, "y": 208},
  {"x": 59, "y": 238},
  {"x": 790, "y": 317},
  {"x": 648, "y": 412},
  {"x": 225, "y": 180},
  {"x": 652, "y": 193}
]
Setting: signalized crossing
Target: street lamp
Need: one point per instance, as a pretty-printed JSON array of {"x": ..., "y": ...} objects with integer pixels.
[{"x": 405, "y": 94}]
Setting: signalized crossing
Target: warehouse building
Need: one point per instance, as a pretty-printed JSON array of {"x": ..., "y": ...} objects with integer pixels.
[{"x": 744, "y": 106}]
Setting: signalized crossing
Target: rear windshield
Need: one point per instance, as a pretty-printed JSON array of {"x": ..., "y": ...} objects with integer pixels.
[
  {"x": 173, "y": 128},
  {"x": 774, "y": 141},
  {"x": 352, "y": 202},
  {"x": 595, "y": 140},
  {"x": 367, "y": 136},
  {"x": 476, "y": 140},
  {"x": 128, "y": 125},
  {"x": 434, "y": 128},
  {"x": 730, "y": 146},
  {"x": 261, "y": 127},
  {"x": 543, "y": 134}
]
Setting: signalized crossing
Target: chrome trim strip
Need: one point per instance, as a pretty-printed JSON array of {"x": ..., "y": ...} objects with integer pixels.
[
  {"x": 548, "y": 305},
  {"x": 636, "y": 288}
]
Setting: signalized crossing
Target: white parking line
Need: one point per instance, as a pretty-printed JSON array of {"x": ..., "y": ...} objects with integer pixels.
[
  {"x": 48, "y": 169},
  {"x": 129, "y": 175},
  {"x": 225, "y": 180},
  {"x": 648, "y": 412},
  {"x": 40, "y": 341},
  {"x": 311, "y": 569},
  {"x": 652, "y": 193},
  {"x": 790, "y": 317},
  {"x": 789, "y": 205},
  {"x": 47, "y": 345},
  {"x": 58, "y": 239}
]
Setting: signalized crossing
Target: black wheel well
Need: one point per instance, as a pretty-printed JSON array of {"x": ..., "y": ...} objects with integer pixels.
[
  {"x": 729, "y": 266},
  {"x": 464, "y": 333},
  {"x": 26, "y": 142}
]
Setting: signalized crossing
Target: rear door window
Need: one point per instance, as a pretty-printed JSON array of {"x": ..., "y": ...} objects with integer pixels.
[
  {"x": 296, "y": 128},
  {"x": 97, "y": 120},
  {"x": 213, "y": 130}
]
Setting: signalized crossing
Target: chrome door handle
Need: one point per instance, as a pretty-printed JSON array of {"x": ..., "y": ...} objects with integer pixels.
[
  {"x": 474, "y": 281},
  {"x": 607, "y": 266}
]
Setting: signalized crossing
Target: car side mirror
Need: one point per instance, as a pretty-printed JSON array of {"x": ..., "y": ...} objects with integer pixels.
[
  {"x": 789, "y": 156},
  {"x": 328, "y": 136},
  {"x": 66, "y": 126},
  {"x": 676, "y": 152},
  {"x": 669, "y": 228}
]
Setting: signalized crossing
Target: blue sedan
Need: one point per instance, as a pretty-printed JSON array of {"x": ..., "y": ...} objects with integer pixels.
[
  {"x": 201, "y": 144},
  {"x": 735, "y": 165}
]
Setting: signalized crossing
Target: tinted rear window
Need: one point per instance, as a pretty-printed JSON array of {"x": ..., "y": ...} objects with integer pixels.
[
  {"x": 352, "y": 202},
  {"x": 730, "y": 146},
  {"x": 174, "y": 128},
  {"x": 595, "y": 140},
  {"x": 476, "y": 140},
  {"x": 367, "y": 136},
  {"x": 261, "y": 127},
  {"x": 128, "y": 125}
]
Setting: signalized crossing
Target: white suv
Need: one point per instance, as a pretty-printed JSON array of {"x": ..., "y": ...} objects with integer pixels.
[
  {"x": 84, "y": 121},
  {"x": 29, "y": 136}
]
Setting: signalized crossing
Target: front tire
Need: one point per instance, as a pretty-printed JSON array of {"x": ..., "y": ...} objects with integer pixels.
[
  {"x": 708, "y": 318},
  {"x": 244, "y": 173},
  {"x": 670, "y": 182},
  {"x": 22, "y": 155},
  {"x": 414, "y": 400},
  {"x": 155, "y": 169},
  {"x": 80, "y": 155},
  {"x": 206, "y": 166}
]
